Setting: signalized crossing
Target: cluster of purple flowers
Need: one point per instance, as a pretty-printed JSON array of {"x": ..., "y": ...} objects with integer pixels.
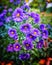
[
  {"x": 31, "y": 35},
  {"x": 35, "y": 16},
  {"x": 13, "y": 47},
  {"x": 16, "y": 47},
  {"x": 19, "y": 15},
  {"x": 2, "y": 17},
  {"x": 44, "y": 31}
]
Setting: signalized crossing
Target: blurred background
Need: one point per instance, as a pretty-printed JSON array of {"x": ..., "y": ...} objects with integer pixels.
[{"x": 43, "y": 5}]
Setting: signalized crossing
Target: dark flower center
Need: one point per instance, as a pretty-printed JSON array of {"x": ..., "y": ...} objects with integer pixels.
[
  {"x": 31, "y": 36},
  {"x": 27, "y": 44},
  {"x": 24, "y": 57}
]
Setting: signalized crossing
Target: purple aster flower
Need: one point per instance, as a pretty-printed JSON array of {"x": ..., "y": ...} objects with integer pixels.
[
  {"x": 12, "y": 32},
  {"x": 1, "y": 23},
  {"x": 35, "y": 16},
  {"x": 8, "y": 19},
  {"x": 15, "y": 37},
  {"x": 36, "y": 20},
  {"x": 25, "y": 28},
  {"x": 11, "y": 1},
  {"x": 42, "y": 27},
  {"x": 31, "y": 37},
  {"x": 17, "y": 2},
  {"x": 10, "y": 10},
  {"x": 28, "y": 44},
  {"x": 40, "y": 44},
  {"x": 24, "y": 56},
  {"x": 48, "y": 26},
  {"x": 45, "y": 34},
  {"x": 35, "y": 32},
  {"x": 10, "y": 48},
  {"x": 16, "y": 47},
  {"x": 25, "y": 7},
  {"x": 18, "y": 15},
  {"x": 25, "y": 17}
]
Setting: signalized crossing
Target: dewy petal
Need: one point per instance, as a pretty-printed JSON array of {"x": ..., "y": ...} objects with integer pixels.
[{"x": 35, "y": 16}]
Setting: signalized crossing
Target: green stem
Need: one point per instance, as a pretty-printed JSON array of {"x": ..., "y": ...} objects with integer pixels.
[{"x": 23, "y": 62}]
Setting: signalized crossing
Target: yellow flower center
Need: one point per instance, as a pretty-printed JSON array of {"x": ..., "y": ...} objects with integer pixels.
[
  {"x": 18, "y": 15},
  {"x": 12, "y": 32},
  {"x": 35, "y": 33},
  {"x": 27, "y": 44},
  {"x": 26, "y": 1},
  {"x": 17, "y": 46},
  {"x": 24, "y": 56}
]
